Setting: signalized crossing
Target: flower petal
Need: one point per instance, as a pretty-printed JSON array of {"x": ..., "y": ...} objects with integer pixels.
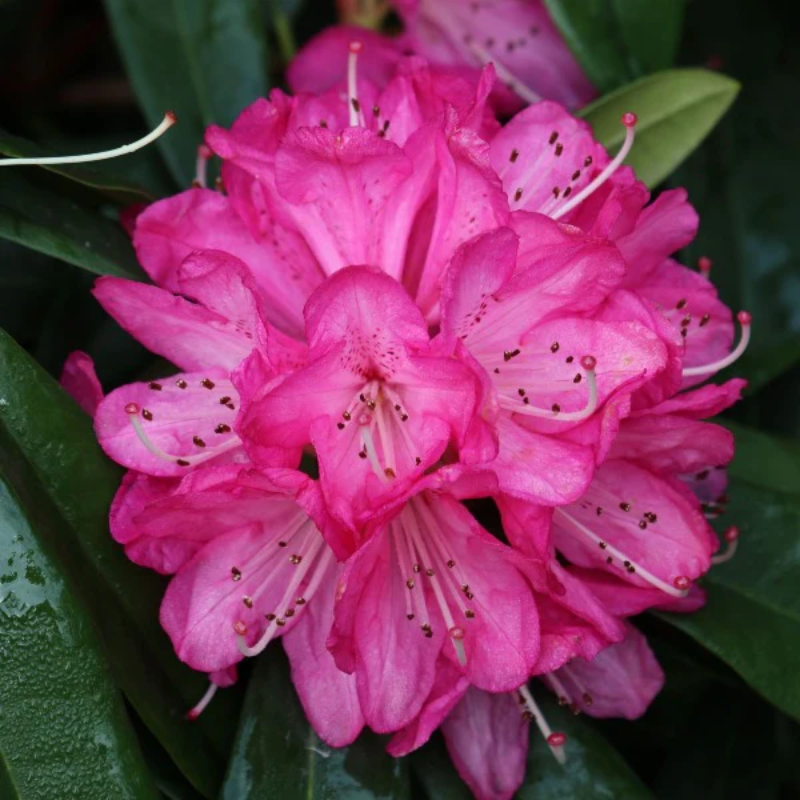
[
  {"x": 79, "y": 380},
  {"x": 487, "y": 739}
]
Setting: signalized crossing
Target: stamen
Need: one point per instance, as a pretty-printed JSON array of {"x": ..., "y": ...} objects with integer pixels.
[
  {"x": 354, "y": 107},
  {"x": 744, "y": 320},
  {"x": 622, "y": 560},
  {"x": 169, "y": 120},
  {"x": 132, "y": 410},
  {"x": 372, "y": 454},
  {"x": 291, "y": 592},
  {"x": 193, "y": 713},
  {"x": 704, "y": 264},
  {"x": 629, "y": 120},
  {"x": 561, "y": 691},
  {"x": 203, "y": 155},
  {"x": 731, "y": 536},
  {"x": 555, "y": 741},
  {"x": 588, "y": 363},
  {"x": 503, "y": 73}
]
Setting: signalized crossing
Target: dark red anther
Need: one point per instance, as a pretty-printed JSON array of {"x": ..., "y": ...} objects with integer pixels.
[
  {"x": 682, "y": 583},
  {"x": 557, "y": 739},
  {"x": 132, "y": 408},
  {"x": 629, "y": 119},
  {"x": 588, "y": 363},
  {"x": 732, "y": 534}
]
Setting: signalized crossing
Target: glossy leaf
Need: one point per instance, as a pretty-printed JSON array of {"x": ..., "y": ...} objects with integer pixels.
[
  {"x": 752, "y": 619},
  {"x": 115, "y": 188},
  {"x": 593, "y": 769},
  {"x": 765, "y": 460},
  {"x": 618, "y": 40},
  {"x": 62, "y": 228},
  {"x": 203, "y": 59},
  {"x": 56, "y": 437},
  {"x": 676, "y": 109},
  {"x": 64, "y": 731},
  {"x": 277, "y": 753}
]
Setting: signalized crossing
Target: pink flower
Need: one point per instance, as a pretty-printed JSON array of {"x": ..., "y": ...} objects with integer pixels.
[
  {"x": 516, "y": 36},
  {"x": 80, "y": 381},
  {"x": 520, "y": 301},
  {"x": 376, "y": 400}
]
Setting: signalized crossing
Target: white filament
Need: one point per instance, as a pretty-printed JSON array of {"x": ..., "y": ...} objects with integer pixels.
[
  {"x": 716, "y": 366},
  {"x": 601, "y": 178},
  {"x": 169, "y": 120},
  {"x": 562, "y": 416},
  {"x": 541, "y": 722}
]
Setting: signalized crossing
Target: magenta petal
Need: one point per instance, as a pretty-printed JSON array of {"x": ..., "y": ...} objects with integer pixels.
[
  {"x": 621, "y": 680},
  {"x": 329, "y": 696},
  {"x": 184, "y": 416},
  {"x": 80, "y": 381},
  {"x": 487, "y": 739},
  {"x": 393, "y": 662}
]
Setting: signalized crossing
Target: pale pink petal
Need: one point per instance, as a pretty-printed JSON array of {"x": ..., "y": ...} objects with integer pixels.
[
  {"x": 487, "y": 739},
  {"x": 544, "y": 156},
  {"x": 80, "y": 382},
  {"x": 183, "y": 415},
  {"x": 648, "y": 518},
  {"x": 448, "y": 689},
  {"x": 621, "y": 681},
  {"x": 329, "y": 696}
]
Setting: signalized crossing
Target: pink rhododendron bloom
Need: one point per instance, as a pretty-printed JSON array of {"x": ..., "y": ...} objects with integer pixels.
[
  {"x": 437, "y": 309},
  {"x": 80, "y": 381}
]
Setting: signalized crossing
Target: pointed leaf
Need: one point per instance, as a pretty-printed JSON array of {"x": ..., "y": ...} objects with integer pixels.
[
  {"x": 205, "y": 60},
  {"x": 618, "y": 40},
  {"x": 56, "y": 438},
  {"x": 677, "y": 109},
  {"x": 64, "y": 731},
  {"x": 44, "y": 221},
  {"x": 277, "y": 753}
]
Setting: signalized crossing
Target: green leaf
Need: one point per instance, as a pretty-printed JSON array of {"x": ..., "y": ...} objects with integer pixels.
[
  {"x": 203, "y": 59},
  {"x": 64, "y": 731},
  {"x": 765, "y": 460},
  {"x": 115, "y": 188},
  {"x": 616, "y": 41},
  {"x": 593, "y": 769},
  {"x": 56, "y": 226},
  {"x": 676, "y": 109},
  {"x": 277, "y": 753},
  {"x": 56, "y": 438},
  {"x": 752, "y": 619}
]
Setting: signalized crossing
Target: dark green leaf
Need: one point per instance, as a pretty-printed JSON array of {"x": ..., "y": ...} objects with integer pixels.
[
  {"x": 57, "y": 439},
  {"x": 277, "y": 754},
  {"x": 63, "y": 727},
  {"x": 650, "y": 32},
  {"x": 51, "y": 224},
  {"x": 205, "y": 60},
  {"x": 616, "y": 41},
  {"x": 676, "y": 109},
  {"x": 593, "y": 769},
  {"x": 434, "y": 770},
  {"x": 764, "y": 460},
  {"x": 752, "y": 619},
  {"x": 593, "y": 35},
  {"x": 118, "y": 189}
]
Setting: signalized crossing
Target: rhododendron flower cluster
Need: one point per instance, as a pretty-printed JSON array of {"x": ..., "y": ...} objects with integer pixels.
[{"x": 435, "y": 308}]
